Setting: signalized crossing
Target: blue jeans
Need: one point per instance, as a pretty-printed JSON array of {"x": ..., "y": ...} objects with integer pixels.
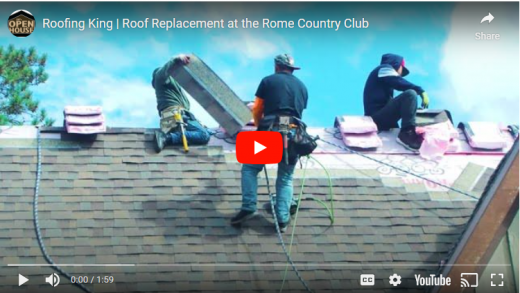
[
  {"x": 195, "y": 133},
  {"x": 284, "y": 189}
]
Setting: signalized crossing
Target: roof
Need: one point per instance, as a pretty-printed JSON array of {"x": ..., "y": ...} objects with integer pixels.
[
  {"x": 489, "y": 224},
  {"x": 112, "y": 200}
]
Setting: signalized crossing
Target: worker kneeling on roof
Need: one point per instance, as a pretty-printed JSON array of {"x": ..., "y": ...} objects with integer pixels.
[
  {"x": 380, "y": 104},
  {"x": 279, "y": 97},
  {"x": 171, "y": 100}
]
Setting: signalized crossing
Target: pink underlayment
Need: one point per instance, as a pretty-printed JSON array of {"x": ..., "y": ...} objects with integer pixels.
[{"x": 438, "y": 139}]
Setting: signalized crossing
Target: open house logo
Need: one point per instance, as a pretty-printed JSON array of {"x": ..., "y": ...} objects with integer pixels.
[{"x": 21, "y": 23}]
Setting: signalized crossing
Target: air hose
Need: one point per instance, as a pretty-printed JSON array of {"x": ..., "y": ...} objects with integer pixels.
[
  {"x": 35, "y": 214},
  {"x": 330, "y": 210},
  {"x": 287, "y": 254}
]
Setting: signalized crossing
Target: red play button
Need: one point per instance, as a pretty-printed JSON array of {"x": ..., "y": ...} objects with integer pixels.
[{"x": 259, "y": 147}]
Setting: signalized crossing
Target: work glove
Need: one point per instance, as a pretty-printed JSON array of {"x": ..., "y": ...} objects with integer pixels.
[{"x": 425, "y": 100}]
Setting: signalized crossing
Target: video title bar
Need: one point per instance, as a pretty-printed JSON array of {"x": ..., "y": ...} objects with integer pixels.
[{"x": 174, "y": 23}]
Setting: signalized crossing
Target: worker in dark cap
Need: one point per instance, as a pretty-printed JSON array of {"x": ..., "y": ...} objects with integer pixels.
[
  {"x": 171, "y": 99},
  {"x": 387, "y": 110},
  {"x": 279, "y": 94}
]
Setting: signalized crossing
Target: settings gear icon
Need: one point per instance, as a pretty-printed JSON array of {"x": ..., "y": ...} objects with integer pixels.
[{"x": 395, "y": 280}]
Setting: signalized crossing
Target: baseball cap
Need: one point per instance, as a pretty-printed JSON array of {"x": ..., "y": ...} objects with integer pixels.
[
  {"x": 405, "y": 70},
  {"x": 285, "y": 60}
]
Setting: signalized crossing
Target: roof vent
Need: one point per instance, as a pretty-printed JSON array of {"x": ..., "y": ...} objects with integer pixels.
[{"x": 84, "y": 119}]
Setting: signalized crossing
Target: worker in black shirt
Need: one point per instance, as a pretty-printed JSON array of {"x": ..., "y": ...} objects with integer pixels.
[
  {"x": 281, "y": 93},
  {"x": 386, "y": 110}
]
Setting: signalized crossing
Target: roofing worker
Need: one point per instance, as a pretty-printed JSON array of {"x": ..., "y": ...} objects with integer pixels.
[
  {"x": 171, "y": 98},
  {"x": 279, "y": 94},
  {"x": 380, "y": 104}
]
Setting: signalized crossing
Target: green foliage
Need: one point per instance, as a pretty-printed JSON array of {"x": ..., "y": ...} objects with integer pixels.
[{"x": 19, "y": 70}]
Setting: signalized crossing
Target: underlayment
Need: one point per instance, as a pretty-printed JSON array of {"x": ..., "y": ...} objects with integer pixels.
[{"x": 212, "y": 94}]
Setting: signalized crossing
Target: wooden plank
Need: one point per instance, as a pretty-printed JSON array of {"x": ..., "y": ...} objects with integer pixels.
[{"x": 489, "y": 224}]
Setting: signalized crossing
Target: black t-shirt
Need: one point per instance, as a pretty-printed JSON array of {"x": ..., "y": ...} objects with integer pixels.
[{"x": 283, "y": 93}]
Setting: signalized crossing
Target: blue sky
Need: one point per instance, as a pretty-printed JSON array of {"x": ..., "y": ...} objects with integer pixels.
[{"x": 474, "y": 80}]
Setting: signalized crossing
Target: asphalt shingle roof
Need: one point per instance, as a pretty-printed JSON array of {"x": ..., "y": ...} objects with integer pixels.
[{"x": 114, "y": 201}]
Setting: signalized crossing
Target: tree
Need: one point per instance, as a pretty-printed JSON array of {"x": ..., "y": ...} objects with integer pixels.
[{"x": 19, "y": 70}]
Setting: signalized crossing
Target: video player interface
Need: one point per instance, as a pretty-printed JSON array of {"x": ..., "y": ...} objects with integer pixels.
[{"x": 259, "y": 147}]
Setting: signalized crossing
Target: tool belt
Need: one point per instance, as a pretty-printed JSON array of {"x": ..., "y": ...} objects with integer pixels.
[
  {"x": 294, "y": 131},
  {"x": 168, "y": 121}
]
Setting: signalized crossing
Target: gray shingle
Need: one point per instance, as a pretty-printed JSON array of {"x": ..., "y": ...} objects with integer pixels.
[{"x": 114, "y": 200}]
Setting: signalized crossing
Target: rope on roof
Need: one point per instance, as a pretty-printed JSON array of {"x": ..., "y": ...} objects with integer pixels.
[{"x": 36, "y": 220}]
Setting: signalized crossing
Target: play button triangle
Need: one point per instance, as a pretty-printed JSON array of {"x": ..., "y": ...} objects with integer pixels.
[
  {"x": 22, "y": 280},
  {"x": 259, "y": 147}
]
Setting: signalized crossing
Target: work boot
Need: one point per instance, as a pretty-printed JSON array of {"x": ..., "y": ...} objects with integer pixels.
[
  {"x": 292, "y": 209},
  {"x": 160, "y": 140},
  {"x": 410, "y": 139},
  {"x": 242, "y": 216},
  {"x": 284, "y": 226}
]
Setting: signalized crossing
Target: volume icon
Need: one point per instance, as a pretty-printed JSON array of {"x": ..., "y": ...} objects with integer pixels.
[{"x": 53, "y": 280}]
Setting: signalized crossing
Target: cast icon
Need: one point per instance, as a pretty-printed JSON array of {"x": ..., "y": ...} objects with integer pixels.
[{"x": 469, "y": 280}]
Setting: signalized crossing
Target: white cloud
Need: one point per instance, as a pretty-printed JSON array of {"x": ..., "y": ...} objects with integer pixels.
[
  {"x": 89, "y": 46},
  {"x": 251, "y": 47},
  {"x": 106, "y": 79},
  {"x": 126, "y": 102},
  {"x": 202, "y": 115},
  {"x": 83, "y": 7},
  {"x": 354, "y": 59},
  {"x": 482, "y": 75},
  {"x": 417, "y": 69}
]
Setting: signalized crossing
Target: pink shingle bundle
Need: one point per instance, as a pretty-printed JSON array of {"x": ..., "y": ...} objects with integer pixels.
[
  {"x": 358, "y": 131},
  {"x": 84, "y": 119},
  {"x": 484, "y": 135},
  {"x": 356, "y": 124},
  {"x": 438, "y": 139}
]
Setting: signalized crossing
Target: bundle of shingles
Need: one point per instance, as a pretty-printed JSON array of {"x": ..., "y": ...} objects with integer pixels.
[
  {"x": 84, "y": 119},
  {"x": 358, "y": 131},
  {"x": 484, "y": 135}
]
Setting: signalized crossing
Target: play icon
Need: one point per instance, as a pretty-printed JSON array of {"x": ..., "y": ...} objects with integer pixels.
[
  {"x": 259, "y": 147},
  {"x": 22, "y": 280}
]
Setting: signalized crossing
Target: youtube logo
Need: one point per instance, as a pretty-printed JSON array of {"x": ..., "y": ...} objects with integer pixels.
[{"x": 259, "y": 147}]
